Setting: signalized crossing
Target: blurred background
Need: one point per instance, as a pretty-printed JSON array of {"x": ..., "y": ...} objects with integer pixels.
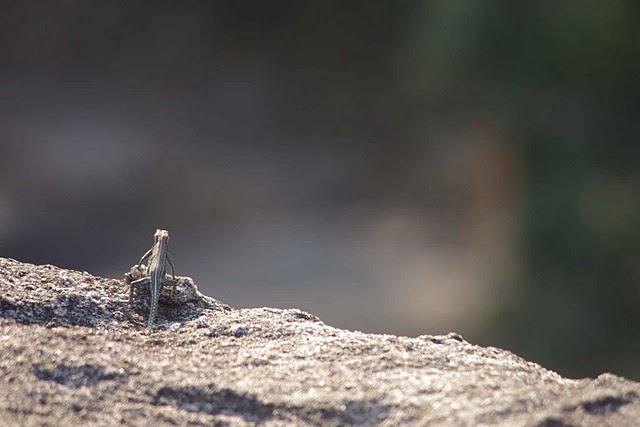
[{"x": 394, "y": 167}]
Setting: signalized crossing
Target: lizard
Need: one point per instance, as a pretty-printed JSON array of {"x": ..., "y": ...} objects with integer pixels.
[{"x": 158, "y": 257}]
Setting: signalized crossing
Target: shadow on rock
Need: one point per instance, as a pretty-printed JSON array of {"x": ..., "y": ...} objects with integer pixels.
[
  {"x": 64, "y": 310},
  {"x": 355, "y": 412},
  {"x": 77, "y": 376},
  {"x": 216, "y": 401},
  {"x": 608, "y": 404},
  {"x": 78, "y": 310},
  {"x": 552, "y": 422},
  {"x": 211, "y": 401}
]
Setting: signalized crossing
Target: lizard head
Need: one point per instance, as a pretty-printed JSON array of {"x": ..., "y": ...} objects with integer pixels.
[{"x": 161, "y": 235}]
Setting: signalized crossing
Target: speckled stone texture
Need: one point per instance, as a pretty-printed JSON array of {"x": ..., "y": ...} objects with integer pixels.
[{"x": 74, "y": 351}]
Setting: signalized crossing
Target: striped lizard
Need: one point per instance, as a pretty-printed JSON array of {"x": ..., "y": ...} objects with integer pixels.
[{"x": 158, "y": 257}]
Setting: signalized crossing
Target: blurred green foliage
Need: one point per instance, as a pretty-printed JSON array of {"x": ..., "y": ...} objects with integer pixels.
[{"x": 567, "y": 76}]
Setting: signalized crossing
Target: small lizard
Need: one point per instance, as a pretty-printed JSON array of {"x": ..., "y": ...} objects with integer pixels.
[{"x": 158, "y": 257}]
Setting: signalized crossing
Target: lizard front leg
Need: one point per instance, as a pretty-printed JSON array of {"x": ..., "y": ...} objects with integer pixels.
[
  {"x": 145, "y": 256},
  {"x": 171, "y": 266}
]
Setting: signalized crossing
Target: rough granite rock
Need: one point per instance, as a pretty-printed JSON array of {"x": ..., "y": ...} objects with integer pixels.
[{"x": 75, "y": 352}]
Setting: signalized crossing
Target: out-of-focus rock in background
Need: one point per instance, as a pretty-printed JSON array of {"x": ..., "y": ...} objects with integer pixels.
[{"x": 407, "y": 168}]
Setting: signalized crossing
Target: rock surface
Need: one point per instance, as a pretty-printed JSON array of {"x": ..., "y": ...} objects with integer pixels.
[{"x": 75, "y": 352}]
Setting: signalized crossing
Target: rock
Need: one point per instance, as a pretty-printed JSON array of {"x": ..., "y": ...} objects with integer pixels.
[
  {"x": 75, "y": 352},
  {"x": 185, "y": 291}
]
